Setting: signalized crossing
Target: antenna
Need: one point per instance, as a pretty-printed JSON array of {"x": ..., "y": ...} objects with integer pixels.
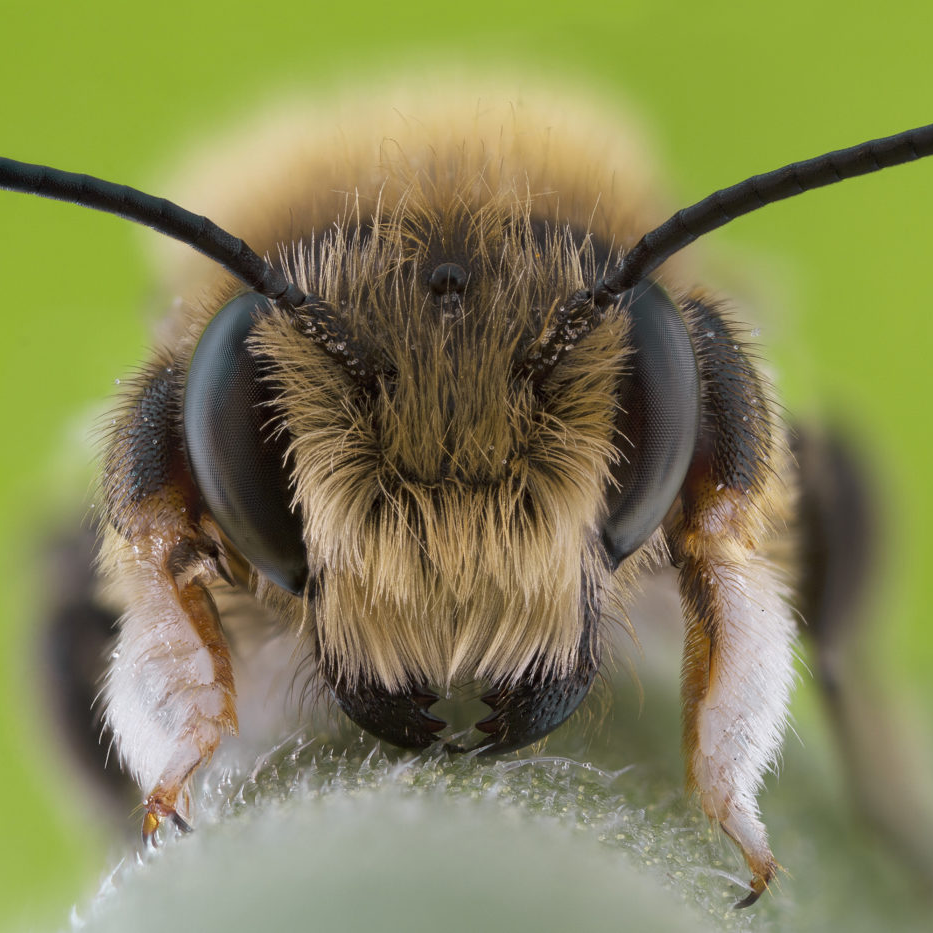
[
  {"x": 758, "y": 191},
  {"x": 162, "y": 215}
]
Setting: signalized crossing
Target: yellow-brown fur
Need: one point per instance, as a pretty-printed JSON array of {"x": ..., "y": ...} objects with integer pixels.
[{"x": 449, "y": 517}]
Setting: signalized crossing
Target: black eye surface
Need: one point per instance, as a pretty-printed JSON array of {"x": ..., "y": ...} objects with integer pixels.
[
  {"x": 448, "y": 277},
  {"x": 658, "y": 423},
  {"x": 236, "y": 456}
]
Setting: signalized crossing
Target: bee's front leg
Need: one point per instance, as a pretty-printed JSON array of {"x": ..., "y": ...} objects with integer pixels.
[
  {"x": 169, "y": 696},
  {"x": 738, "y": 651}
]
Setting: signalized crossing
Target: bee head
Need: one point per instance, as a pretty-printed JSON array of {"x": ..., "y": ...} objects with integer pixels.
[{"x": 450, "y": 496}]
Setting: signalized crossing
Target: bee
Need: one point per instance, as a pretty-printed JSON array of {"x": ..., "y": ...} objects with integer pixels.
[{"x": 438, "y": 418}]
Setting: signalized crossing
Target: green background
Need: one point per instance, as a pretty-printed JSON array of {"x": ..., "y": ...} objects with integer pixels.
[{"x": 838, "y": 277}]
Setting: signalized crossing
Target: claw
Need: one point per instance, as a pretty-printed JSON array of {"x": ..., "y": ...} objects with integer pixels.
[
  {"x": 183, "y": 826},
  {"x": 750, "y": 837},
  {"x": 758, "y": 886}
]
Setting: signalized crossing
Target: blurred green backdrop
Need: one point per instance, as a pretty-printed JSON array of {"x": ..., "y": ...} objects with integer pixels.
[{"x": 727, "y": 90}]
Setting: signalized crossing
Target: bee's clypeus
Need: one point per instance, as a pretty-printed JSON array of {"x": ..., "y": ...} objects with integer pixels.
[{"x": 439, "y": 430}]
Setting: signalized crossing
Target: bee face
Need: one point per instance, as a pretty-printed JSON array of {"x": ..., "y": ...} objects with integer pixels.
[
  {"x": 450, "y": 458},
  {"x": 444, "y": 465},
  {"x": 439, "y": 468},
  {"x": 443, "y": 518}
]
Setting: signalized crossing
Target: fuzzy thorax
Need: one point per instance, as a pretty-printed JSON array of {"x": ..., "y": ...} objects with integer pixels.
[{"x": 449, "y": 513}]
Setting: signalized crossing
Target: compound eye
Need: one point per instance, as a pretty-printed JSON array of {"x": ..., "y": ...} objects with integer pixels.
[
  {"x": 236, "y": 453},
  {"x": 657, "y": 424}
]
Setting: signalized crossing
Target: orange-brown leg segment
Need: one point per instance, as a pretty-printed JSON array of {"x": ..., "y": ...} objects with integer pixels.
[
  {"x": 169, "y": 693},
  {"x": 738, "y": 654}
]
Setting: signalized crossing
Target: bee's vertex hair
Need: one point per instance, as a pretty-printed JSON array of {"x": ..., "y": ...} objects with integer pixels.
[{"x": 299, "y": 168}]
